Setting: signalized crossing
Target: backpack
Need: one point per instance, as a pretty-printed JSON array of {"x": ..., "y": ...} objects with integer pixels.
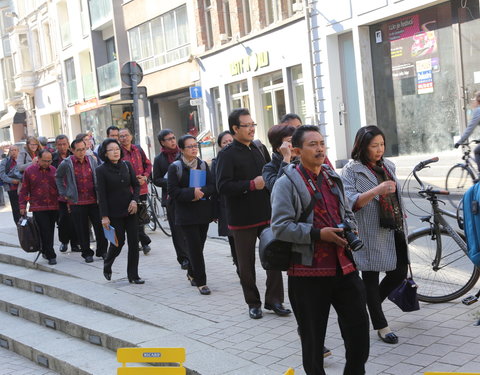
[
  {"x": 178, "y": 166},
  {"x": 471, "y": 222},
  {"x": 29, "y": 234}
]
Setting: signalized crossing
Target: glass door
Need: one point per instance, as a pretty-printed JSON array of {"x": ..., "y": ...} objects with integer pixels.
[{"x": 273, "y": 101}]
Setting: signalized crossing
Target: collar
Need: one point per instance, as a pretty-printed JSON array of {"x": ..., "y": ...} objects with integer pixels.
[{"x": 77, "y": 160}]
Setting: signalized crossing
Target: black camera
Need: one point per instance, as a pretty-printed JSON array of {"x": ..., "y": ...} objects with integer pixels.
[{"x": 354, "y": 242}]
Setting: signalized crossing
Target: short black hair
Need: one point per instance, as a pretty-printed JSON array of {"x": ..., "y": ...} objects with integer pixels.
[
  {"x": 43, "y": 151},
  {"x": 183, "y": 138},
  {"x": 102, "y": 151},
  {"x": 299, "y": 135},
  {"x": 234, "y": 117},
  {"x": 110, "y": 128},
  {"x": 81, "y": 136},
  {"x": 221, "y": 135},
  {"x": 290, "y": 116},
  {"x": 362, "y": 139},
  {"x": 276, "y": 134},
  {"x": 125, "y": 128},
  {"x": 76, "y": 141},
  {"x": 162, "y": 134},
  {"x": 60, "y": 137}
]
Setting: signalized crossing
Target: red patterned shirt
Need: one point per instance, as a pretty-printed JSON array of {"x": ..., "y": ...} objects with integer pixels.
[
  {"x": 141, "y": 168},
  {"x": 39, "y": 188},
  {"x": 327, "y": 256},
  {"x": 84, "y": 180}
]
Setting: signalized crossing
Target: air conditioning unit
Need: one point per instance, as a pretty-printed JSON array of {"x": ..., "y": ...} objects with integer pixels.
[
  {"x": 297, "y": 7},
  {"x": 224, "y": 38}
]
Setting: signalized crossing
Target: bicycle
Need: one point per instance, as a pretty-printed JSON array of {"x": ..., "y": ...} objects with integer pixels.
[
  {"x": 156, "y": 212},
  {"x": 438, "y": 253},
  {"x": 461, "y": 176}
]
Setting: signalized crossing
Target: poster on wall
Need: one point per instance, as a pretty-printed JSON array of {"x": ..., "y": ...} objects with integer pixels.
[
  {"x": 411, "y": 42},
  {"x": 424, "y": 76}
]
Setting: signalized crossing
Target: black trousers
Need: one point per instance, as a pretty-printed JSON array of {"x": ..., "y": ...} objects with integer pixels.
[
  {"x": 66, "y": 230},
  {"x": 178, "y": 237},
  {"x": 142, "y": 236},
  {"x": 376, "y": 293},
  {"x": 196, "y": 236},
  {"x": 13, "y": 196},
  {"x": 231, "y": 242},
  {"x": 245, "y": 249},
  {"x": 46, "y": 223},
  {"x": 311, "y": 298},
  {"x": 80, "y": 215},
  {"x": 122, "y": 225}
]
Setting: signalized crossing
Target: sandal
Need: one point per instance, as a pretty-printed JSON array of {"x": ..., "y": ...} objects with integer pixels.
[
  {"x": 205, "y": 290},
  {"x": 192, "y": 281},
  {"x": 390, "y": 338}
]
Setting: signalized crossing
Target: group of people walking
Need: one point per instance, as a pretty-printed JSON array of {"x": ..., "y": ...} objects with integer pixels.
[{"x": 246, "y": 189}]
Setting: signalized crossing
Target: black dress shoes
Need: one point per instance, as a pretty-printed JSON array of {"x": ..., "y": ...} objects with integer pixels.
[
  {"x": 63, "y": 247},
  {"x": 255, "y": 312},
  {"x": 75, "y": 249},
  {"x": 89, "y": 259},
  {"x": 52, "y": 261},
  {"x": 136, "y": 281},
  {"x": 278, "y": 309},
  {"x": 108, "y": 275}
]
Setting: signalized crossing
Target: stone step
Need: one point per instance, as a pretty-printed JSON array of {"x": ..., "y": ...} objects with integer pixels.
[{"x": 55, "y": 350}]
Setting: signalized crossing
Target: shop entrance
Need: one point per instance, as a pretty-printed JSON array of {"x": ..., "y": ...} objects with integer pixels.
[{"x": 273, "y": 100}]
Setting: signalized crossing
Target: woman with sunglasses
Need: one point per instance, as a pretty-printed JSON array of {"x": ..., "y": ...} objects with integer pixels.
[
  {"x": 118, "y": 193},
  {"x": 191, "y": 192},
  {"x": 372, "y": 190}
]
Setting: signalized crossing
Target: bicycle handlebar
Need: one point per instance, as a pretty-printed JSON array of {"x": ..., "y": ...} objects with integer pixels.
[{"x": 419, "y": 167}]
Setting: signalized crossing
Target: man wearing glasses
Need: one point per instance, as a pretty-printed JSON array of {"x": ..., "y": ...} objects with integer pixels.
[
  {"x": 76, "y": 182},
  {"x": 239, "y": 179},
  {"x": 40, "y": 190}
]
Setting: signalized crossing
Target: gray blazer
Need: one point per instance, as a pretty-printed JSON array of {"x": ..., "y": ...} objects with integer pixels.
[
  {"x": 288, "y": 202},
  {"x": 378, "y": 254},
  {"x": 65, "y": 178}
]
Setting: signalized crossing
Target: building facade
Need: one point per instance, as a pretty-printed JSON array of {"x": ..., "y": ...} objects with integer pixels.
[{"x": 409, "y": 66}]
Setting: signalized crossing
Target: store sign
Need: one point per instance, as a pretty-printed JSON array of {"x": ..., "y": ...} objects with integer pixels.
[
  {"x": 249, "y": 63},
  {"x": 87, "y": 105}
]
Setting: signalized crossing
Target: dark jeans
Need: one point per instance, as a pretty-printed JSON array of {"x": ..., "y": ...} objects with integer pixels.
[
  {"x": 66, "y": 230},
  {"x": 128, "y": 224},
  {"x": 178, "y": 237},
  {"x": 80, "y": 215},
  {"x": 311, "y": 298},
  {"x": 46, "y": 223},
  {"x": 376, "y": 293},
  {"x": 245, "y": 248},
  {"x": 13, "y": 196},
  {"x": 142, "y": 236},
  {"x": 196, "y": 236}
]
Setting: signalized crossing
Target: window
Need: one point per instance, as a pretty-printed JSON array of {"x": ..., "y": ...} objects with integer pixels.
[
  {"x": 238, "y": 94},
  {"x": 37, "y": 56},
  {"x": 70, "y": 69},
  {"x": 217, "y": 107},
  {"x": 161, "y": 41},
  {"x": 47, "y": 38},
  {"x": 110, "y": 49},
  {"x": 272, "y": 11},
  {"x": 299, "y": 106},
  {"x": 207, "y": 19},
  {"x": 227, "y": 24},
  {"x": 246, "y": 23},
  {"x": 8, "y": 74},
  {"x": 24, "y": 53},
  {"x": 71, "y": 80}
]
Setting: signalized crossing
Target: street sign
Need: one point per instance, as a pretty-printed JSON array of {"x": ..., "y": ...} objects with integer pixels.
[
  {"x": 127, "y": 94},
  {"x": 195, "y": 92},
  {"x": 130, "y": 69},
  {"x": 194, "y": 102}
]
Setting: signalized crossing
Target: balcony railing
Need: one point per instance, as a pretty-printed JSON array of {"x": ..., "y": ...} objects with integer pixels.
[
  {"x": 100, "y": 12},
  {"x": 89, "y": 90},
  {"x": 72, "y": 91},
  {"x": 66, "y": 35},
  {"x": 108, "y": 78}
]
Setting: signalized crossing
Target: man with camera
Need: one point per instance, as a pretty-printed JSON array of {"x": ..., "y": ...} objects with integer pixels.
[{"x": 322, "y": 273}]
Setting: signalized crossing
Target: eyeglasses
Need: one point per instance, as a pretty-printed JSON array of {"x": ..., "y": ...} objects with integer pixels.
[
  {"x": 250, "y": 126},
  {"x": 169, "y": 138},
  {"x": 192, "y": 146},
  {"x": 113, "y": 150}
]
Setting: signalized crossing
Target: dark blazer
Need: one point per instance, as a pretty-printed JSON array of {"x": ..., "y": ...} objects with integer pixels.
[
  {"x": 160, "y": 169},
  {"x": 188, "y": 212},
  {"x": 117, "y": 186},
  {"x": 237, "y": 165}
]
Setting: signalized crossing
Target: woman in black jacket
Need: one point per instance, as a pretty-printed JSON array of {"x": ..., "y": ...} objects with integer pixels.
[
  {"x": 193, "y": 207},
  {"x": 118, "y": 193}
]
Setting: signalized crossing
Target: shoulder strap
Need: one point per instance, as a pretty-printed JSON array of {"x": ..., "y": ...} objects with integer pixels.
[{"x": 305, "y": 212}]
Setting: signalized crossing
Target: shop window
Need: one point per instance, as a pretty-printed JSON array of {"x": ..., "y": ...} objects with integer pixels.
[
  {"x": 298, "y": 90},
  {"x": 272, "y": 99},
  {"x": 238, "y": 95},
  {"x": 161, "y": 41}
]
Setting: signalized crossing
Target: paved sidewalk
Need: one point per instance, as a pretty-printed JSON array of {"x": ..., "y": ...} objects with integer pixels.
[
  {"x": 14, "y": 364},
  {"x": 436, "y": 338}
]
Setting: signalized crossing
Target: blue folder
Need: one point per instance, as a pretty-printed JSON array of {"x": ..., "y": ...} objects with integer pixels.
[
  {"x": 198, "y": 178},
  {"x": 110, "y": 235}
]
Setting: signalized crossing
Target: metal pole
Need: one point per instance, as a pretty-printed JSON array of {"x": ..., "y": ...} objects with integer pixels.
[{"x": 134, "y": 77}]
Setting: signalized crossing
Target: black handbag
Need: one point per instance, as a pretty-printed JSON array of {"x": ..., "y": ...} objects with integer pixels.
[
  {"x": 405, "y": 295},
  {"x": 142, "y": 213}
]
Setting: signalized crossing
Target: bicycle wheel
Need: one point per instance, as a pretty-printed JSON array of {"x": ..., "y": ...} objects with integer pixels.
[
  {"x": 459, "y": 179},
  {"x": 161, "y": 213},
  {"x": 152, "y": 224},
  {"x": 456, "y": 274}
]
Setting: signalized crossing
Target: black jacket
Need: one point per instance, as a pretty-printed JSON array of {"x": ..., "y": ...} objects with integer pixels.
[
  {"x": 237, "y": 165},
  {"x": 56, "y": 158},
  {"x": 160, "y": 169},
  {"x": 115, "y": 183},
  {"x": 188, "y": 212},
  {"x": 273, "y": 170}
]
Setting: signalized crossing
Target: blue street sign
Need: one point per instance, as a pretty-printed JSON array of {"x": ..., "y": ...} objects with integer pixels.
[{"x": 195, "y": 92}]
